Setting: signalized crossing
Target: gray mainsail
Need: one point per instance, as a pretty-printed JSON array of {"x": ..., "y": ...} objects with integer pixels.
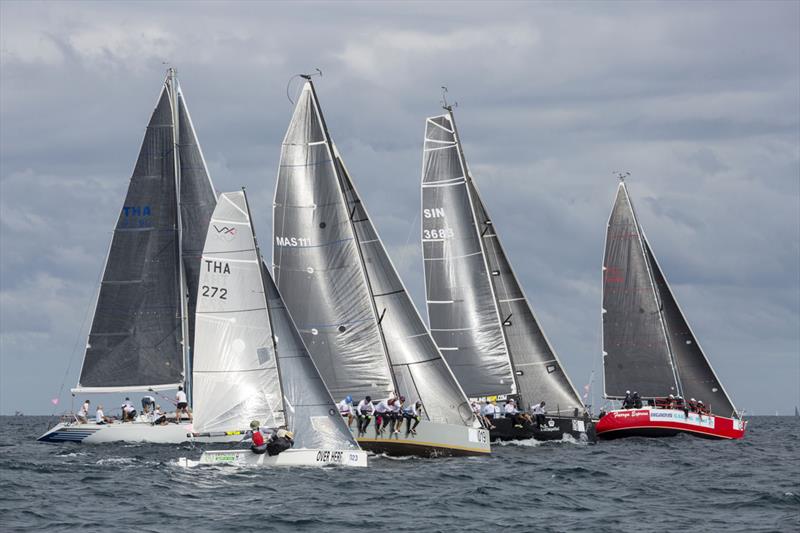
[
  {"x": 477, "y": 309},
  {"x": 647, "y": 342},
  {"x": 250, "y": 361},
  {"x": 636, "y": 355},
  {"x": 139, "y": 336},
  {"x": 353, "y": 312}
]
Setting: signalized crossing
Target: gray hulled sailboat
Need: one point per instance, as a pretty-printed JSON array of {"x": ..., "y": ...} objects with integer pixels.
[
  {"x": 142, "y": 333},
  {"x": 478, "y": 312},
  {"x": 250, "y": 362},
  {"x": 353, "y": 312},
  {"x": 649, "y": 347}
]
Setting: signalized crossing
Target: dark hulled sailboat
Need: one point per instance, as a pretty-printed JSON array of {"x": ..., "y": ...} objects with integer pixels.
[{"x": 478, "y": 313}]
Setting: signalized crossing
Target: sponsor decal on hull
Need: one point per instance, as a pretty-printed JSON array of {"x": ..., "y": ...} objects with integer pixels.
[{"x": 680, "y": 417}]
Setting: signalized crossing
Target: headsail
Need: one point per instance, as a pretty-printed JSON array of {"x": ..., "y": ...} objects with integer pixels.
[
  {"x": 478, "y": 311},
  {"x": 697, "y": 378},
  {"x": 636, "y": 354},
  {"x": 348, "y": 302},
  {"x": 135, "y": 339}
]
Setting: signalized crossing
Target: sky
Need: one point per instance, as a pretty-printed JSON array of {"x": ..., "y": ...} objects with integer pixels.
[{"x": 699, "y": 101}]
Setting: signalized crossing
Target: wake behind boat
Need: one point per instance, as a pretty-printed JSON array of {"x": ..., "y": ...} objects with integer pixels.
[
  {"x": 141, "y": 337},
  {"x": 479, "y": 315},
  {"x": 351, "y": 307},
  {"x": 251, "y": 366},
  {"x": 650, "y": 349}
]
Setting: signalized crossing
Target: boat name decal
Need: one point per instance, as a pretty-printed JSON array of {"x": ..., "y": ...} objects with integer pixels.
[
  {"x": 680, "y": 416},
  {"x": 327, "y": 456}
]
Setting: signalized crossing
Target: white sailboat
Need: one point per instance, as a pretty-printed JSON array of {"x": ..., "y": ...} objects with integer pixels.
[
  {"x": 348, "y": 302},
  {"x": 142, "y": 332},
  {"x": 250, "y": 361}
]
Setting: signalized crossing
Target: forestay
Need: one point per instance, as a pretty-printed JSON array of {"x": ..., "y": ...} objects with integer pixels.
[
  {"x": 343, "y": 292},
  {"x": 235, "y": 372},
  {"x": 135, "y": 339},
  {"x": 478, "y": 311}
]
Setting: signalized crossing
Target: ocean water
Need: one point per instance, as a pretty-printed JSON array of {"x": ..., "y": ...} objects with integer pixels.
[{"x": 674, "y": 484}]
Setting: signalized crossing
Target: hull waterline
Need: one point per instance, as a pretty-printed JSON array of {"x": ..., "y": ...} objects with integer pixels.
[
  {"x": 667, "y": 423},
  {"x": 431, "y": 440},
  {"x": 128, "y": 432}
]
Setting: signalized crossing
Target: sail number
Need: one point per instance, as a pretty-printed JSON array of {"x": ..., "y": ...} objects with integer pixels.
[
  {"x": 215, "y": 292},
  {"x": 292, "y": 241},
  {"x": 444, "y": 233}
]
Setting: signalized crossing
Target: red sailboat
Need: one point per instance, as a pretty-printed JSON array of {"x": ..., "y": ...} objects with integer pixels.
[{"x": 649, "y": 348}]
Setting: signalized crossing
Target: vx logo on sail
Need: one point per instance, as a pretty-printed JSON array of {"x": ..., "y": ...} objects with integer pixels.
[{"x": 225, "y": 233}]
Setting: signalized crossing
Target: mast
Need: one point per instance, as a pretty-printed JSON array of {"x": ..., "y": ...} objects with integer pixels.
[
  {"x": 336, "y": 164},
  {"x": 640, "y": 238},
  {"x": 468, "y": 180},
  {"x": 266, "y": 302},
  {"x": 182, "y": 288}
]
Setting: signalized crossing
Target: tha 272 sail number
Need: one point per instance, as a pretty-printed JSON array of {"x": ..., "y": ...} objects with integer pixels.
[{"x": 214, "y": 292}]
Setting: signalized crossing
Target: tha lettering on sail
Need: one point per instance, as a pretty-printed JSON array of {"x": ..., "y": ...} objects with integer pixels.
[
  {"x": 292, "y": 241},
  {"x": 135, "y": 216}
]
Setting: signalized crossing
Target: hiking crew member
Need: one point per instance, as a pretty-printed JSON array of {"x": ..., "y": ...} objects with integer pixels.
[
  {"x": 381, "y": 416},
  {"x": 637, "y": 402},
  {"x": 280, "y": 442},
  {"x": 539, "y": 413},
  {"x": 182, "y": 405},
  {"x": 412, "y": 413},
  {"x": 100, "y": 417},
  {"x": 364, "y": 411},
  {"x": 83, "y": 414},
  {"x": 627, "y": 401},
  {"x": 148, "y": 404},
  {"x": 396, "y": 411},
  {"x": 128, "y": 412},
  {"x": 255, "y": 434},
  {"x": 476, "y": 410},
  {"x": 346, "y": 409},
  {"x": 488, "y": 412},
  {"x": 158, "y": 417}
]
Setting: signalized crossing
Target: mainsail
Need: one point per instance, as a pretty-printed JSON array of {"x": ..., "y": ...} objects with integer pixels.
[
  {"x": 250, "y": 362},
  {"x": 140, "y": 333},
  {"x": 647, "y": 342},
  {"x": 349, "y": 304},
  {"x": 478, "y": 313}
]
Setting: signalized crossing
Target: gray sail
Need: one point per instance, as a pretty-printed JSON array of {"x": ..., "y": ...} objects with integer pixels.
[
  {"x": 355, "y": 316},
  {"x": 537, "y": 369},
  {"x": 197, "y": 202},
  {"x": 636, "y": 351},
  {"x": 484, "y": 293},
  {"x": 310, "y": 410},
  {"x": 461, "y": 306},
  {"x": 135, "y": 339},
  {"x": 697, "y": 379}
]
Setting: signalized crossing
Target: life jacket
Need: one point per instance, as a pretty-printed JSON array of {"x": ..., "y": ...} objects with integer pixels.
[{"x": 258, "y": 438}]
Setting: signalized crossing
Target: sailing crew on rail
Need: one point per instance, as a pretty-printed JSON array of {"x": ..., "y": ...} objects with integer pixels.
[
  {"x": 627, "y": 401},
  {"x": 515, "y": 414},
  {"x": 258, "y": 436},
  {"x": 488, "y": 411},
  {"x": 478, "y": 412},
  {"x": 381, "y": 416},
  {"x": 412, "y": 413},
  {"x": 346, "y": 409},
  {"x": 280, "y": 442},
  {"x": 637, "y": 401},
  {"x": 396, "y": 410},
  {"x": 364, "y": 411},
  {"x": 128, "y": 411},
  {"x": 83, "y": 414},
  {"x": 148, "y": 403},
  {"x": 539, "y": 413},
  {"x": 182, "y": 405}
]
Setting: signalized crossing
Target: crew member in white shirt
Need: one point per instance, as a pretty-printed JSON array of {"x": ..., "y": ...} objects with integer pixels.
[
  {"x": 364, "y": 412},
  {"x": 346, "y": 409},
  {"x": 100, "y": 417},
  {"x": 128, "y": 411},
  {"x": 381, "y": 416},
  {"x": 182, "y": 405},
  {"x": 83, "y": 414},
  {"x": 412, "y": 413},
  {"x": 539, "y": 413}
]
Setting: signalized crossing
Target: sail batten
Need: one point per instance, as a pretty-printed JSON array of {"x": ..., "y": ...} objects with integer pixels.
[{"x": 355, "y": 315}]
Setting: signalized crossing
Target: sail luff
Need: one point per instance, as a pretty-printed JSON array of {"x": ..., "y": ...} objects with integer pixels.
[
  {"x": 640, "y": 237},
  {"x": 335, "y": 156},
  {"x": 468, "y": 178},
  {"x": 182, "y": 285}
]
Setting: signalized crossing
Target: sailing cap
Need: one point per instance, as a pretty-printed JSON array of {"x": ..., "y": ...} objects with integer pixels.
[
  {"x": 255, "y": 424},
  {"x": 348, "y": 399}
]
